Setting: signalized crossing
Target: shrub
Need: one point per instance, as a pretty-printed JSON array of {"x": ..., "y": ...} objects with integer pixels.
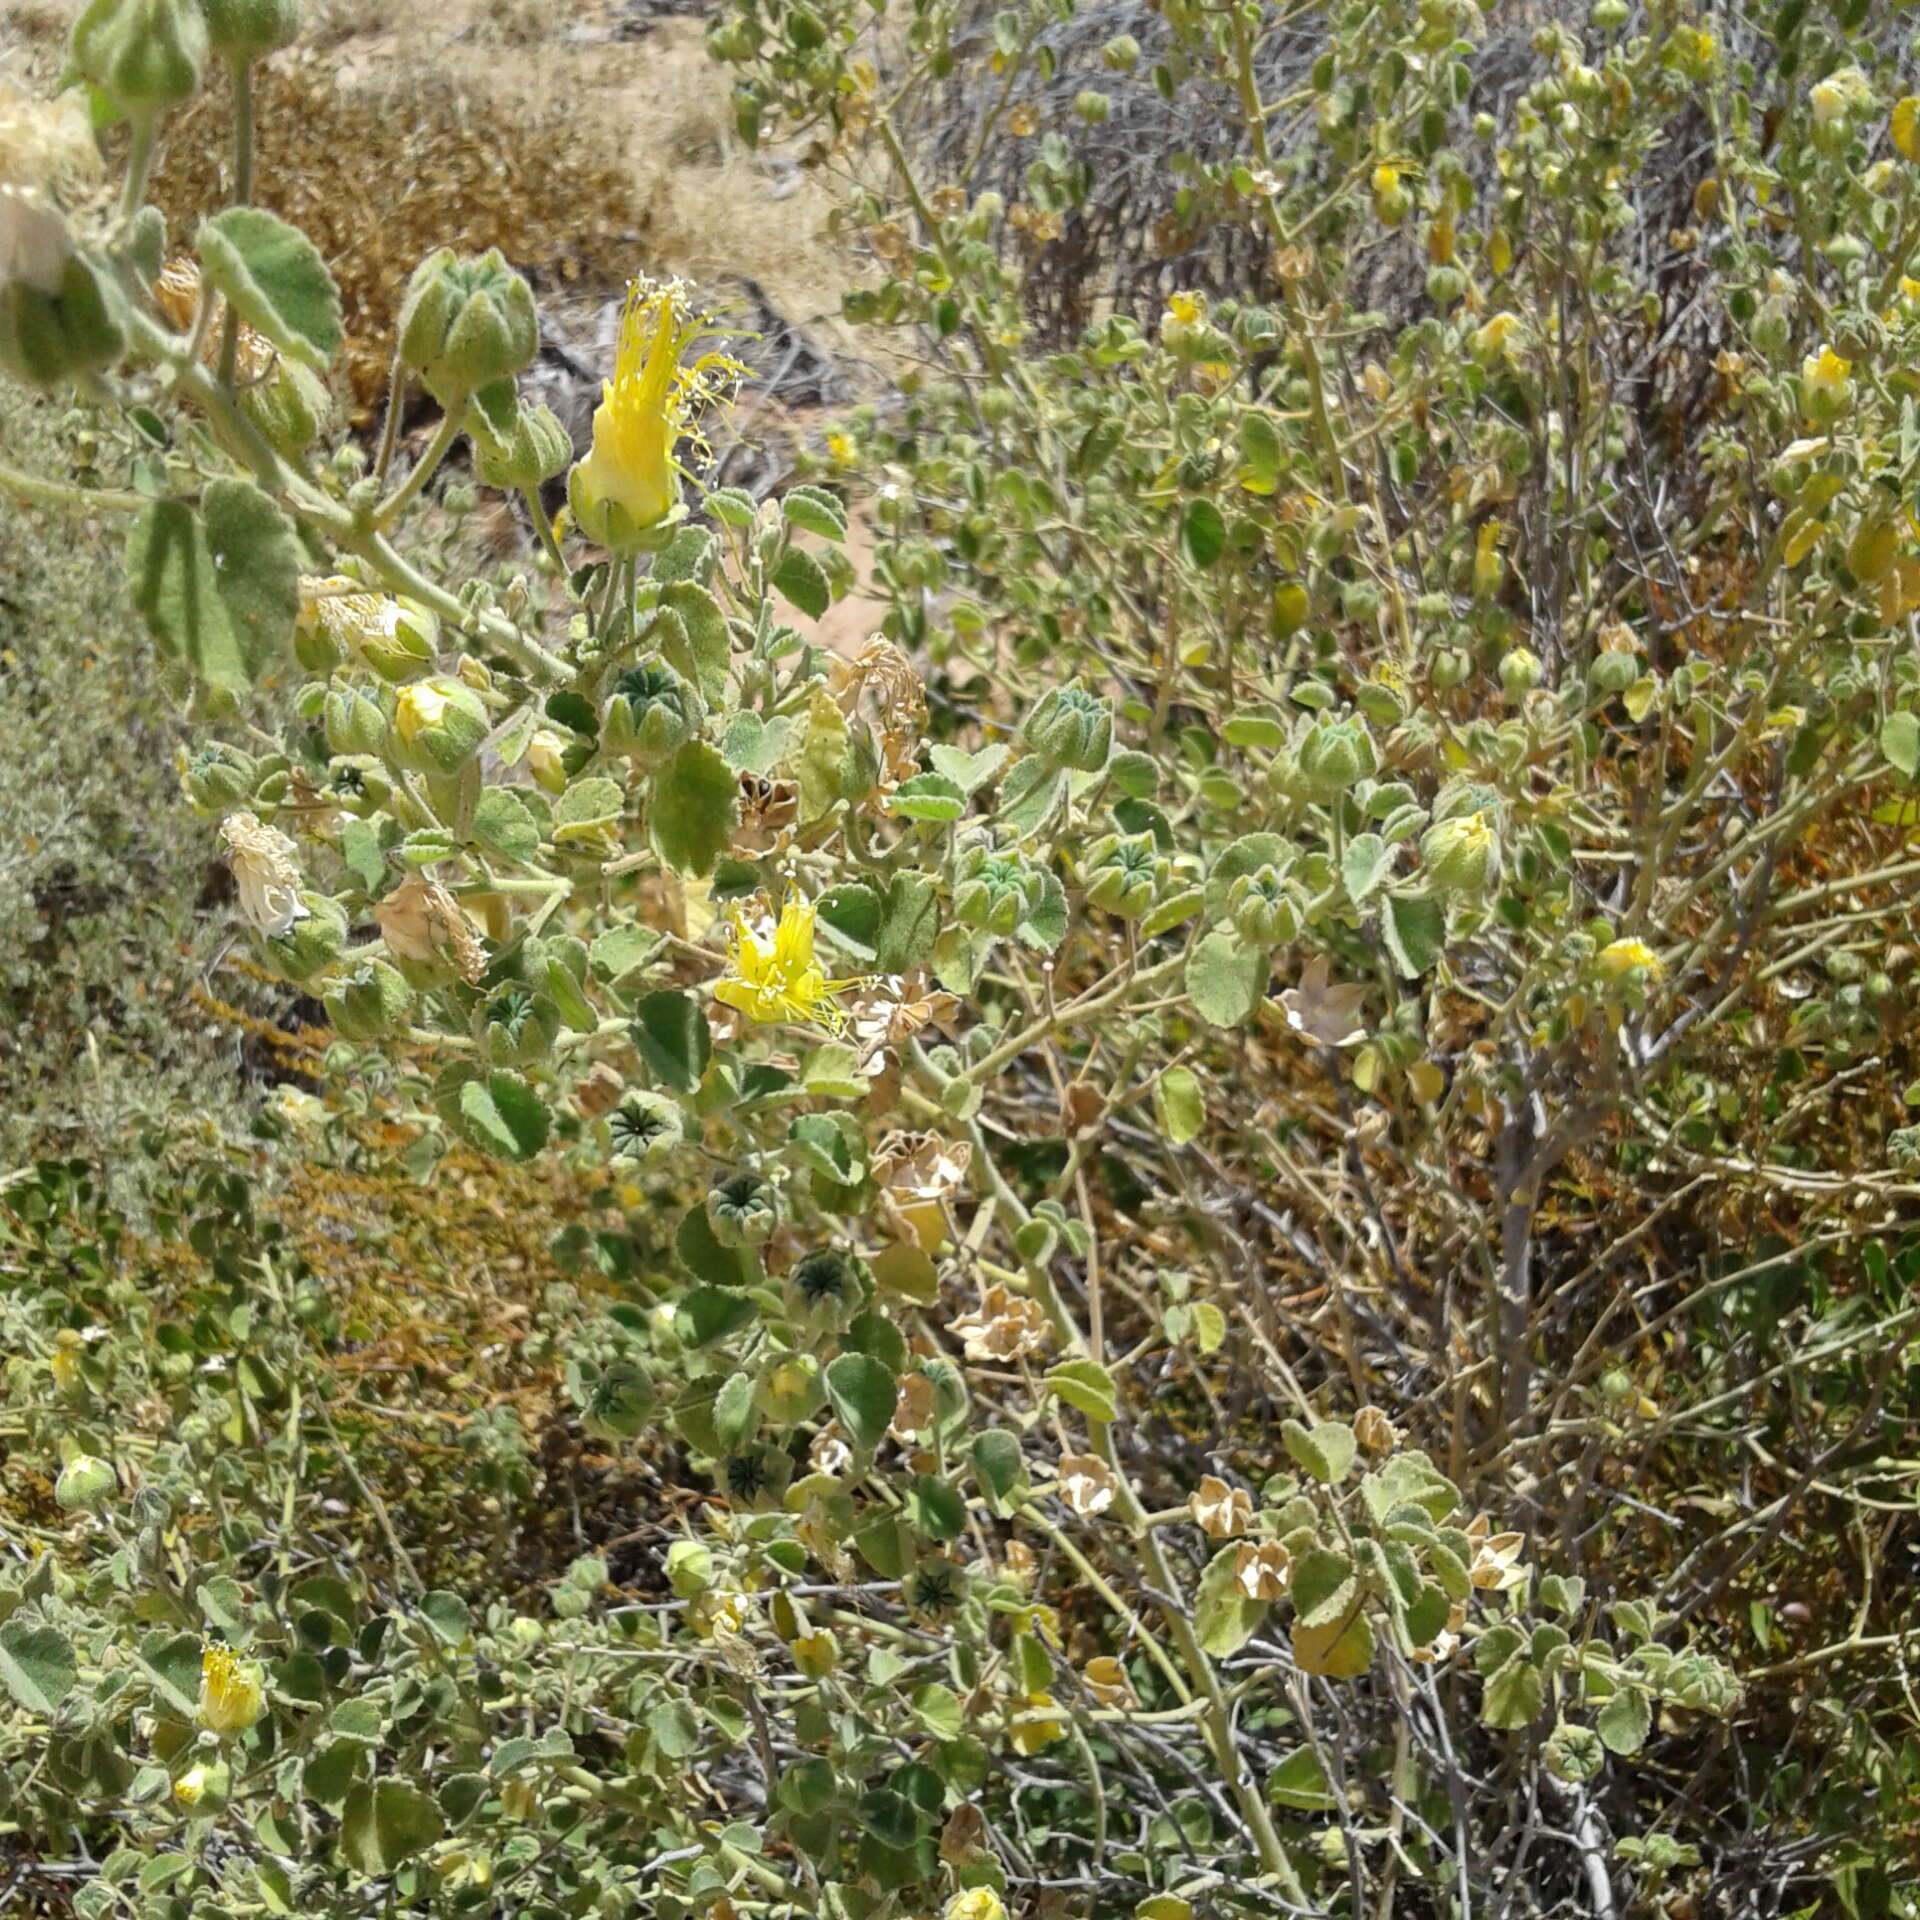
[{"x": 1426, "y": 665}]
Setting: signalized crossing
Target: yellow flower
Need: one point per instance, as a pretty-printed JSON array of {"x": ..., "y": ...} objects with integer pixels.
[
  {"x": 1034, "y": 1726},
  {"x": 1826, "y": 385},
  {"x": 233, "y": 1691},
  {"x": 630, "y": 482},
  {"x": 1904, "y": 126},
  {"x": 1619, "y": 958},
  {"x": 418, "y": 710},
  {"x": 977, "y": 1903},
  {"x": 775, "y": 977}
]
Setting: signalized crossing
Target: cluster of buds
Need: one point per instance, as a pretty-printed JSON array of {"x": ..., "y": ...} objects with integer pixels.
[
  {"x": 994, "y": 890},
  {"x": 1126, "y": 874},
  {"x": 1265, "y": 910},
  {"x": 1072, "y": 728}
]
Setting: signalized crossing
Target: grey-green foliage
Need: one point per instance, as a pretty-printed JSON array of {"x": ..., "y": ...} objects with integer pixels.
[{"x": 101, "y": 860}]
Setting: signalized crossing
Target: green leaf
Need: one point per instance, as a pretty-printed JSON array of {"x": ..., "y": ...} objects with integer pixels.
[
  {"x": 1203, "y": 533},
  {"x": 1414, "y": 926},
  {"x": 1086, "y": 1385},
  {"x": 863, "y": 1393},
  {"x": 1323, "y": 1587},
  {"x": 851, "y": 913},
  {"x": 670, "y": 1029},
  {"x": 1326, "y": 1451},
  {"x": 1514, "y": 1695},
  {"x": 219, "y": 588},
  {"x": 1033, "y": 789},
  {"x": 1255, "y": 727},
  {"x": 1340, "y": 1651},
  {"x": 702, "y": 658},
  {"x": 936, "y": 1508},
  {"x": 1259, "y": 454},
  {"x": 1300, "y": 1782},
  {"x": 1625, "y": 1721},
  {"x": 706, "y": 1259},
  {"x": 735, "y": 1411},
  {"x": 696, "y": 805},
  {"x": 1180, "y": 1104},
  {"x": 970, "y": 771},
  {"x": 909, "y": 923},
  {"x": 385, "y": 1823},
  {"x": 1409, "y": 1480},
  {"x": 1224, "y": 1619},
  {"x": 503, "y": 825},
  {"x": 1001, "y": 1467},
  {"x": 1226, "y": 978},
  {"x": 1174, "y": 911},
  {"x": 586, "y": 807},
  {"x": 927, "y": 796},
  {"x": 1364, "y": 864},
  {"x": 446, "y": 1613},
  {"x": 814, "y": 510},
  {"x": 708, "y": 1314},
  {"x": 275, "y": 279},
  {"x": 620, "y": 950},
  {"x": 503, "y": 1116},
  {"x": 939, "y": 1710},
  {"x": 1900, "y": 743},
  {"x": 799, "y": 578},
  {"x": 36, "y": 1665}
]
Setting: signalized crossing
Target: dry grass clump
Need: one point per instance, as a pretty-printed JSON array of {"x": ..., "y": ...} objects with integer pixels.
[{"x": 380, "y": 170}]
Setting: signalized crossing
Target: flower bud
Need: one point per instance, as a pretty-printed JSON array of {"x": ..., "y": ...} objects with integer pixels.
[
  {"x": 521, "y": 1026},
  {"x": 233, "y": 1692},
  {"x": 438, "y": 724},
  {"x": 397, "y": 638},
  {"x": 1520, "y": 671},
  {"x": 534, "y": 449},
  {"x": 1123, "y": 874},
  {"x": 85, "y": 1482},
  {"x": 643, "y": 1128},
  {"x": 1461, "y": 855},
  {"x": 216, "y": 779},
  {"x": 998, "y": 894},
  {"x": 1334, "y": 755},
  {"x": 202, "y": 1790},
  {"x": 1071, "y": 727},
  {"x": 312, "y": 943},
  {"x": 1121, "y": 53},
  {"x": 465, "y": 323},
  {"x": 1264, "y": 913},
  {"x": 743, "y": 1211},
  {"x": 1826, "y": 386},
  {"x": 57, "y": 316},
  {"x": 1092, "y": 106},
  {"x": 652, "y": 712},
  {"x": 291, "y": 406},
  {"x": 144, "y": 55},
  {"x": 352, "y": 721},
  {"x": 370, "y": 1003},
  {"x": 546, "y": 760},
  {"x": 243, "y": 30},
  {"x": 1613, "y": 672}
]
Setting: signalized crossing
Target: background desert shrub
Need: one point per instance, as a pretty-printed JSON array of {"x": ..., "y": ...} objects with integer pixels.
[
  {"x": 102, "y": 944},
  {"x": 383, "y": 166}
]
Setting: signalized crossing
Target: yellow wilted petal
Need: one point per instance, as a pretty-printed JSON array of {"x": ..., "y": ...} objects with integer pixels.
[
  {"x": 1639, "y": 697},
  {"x": 1428, "y": 1081},
  {"x": 1905, "y": 127}
]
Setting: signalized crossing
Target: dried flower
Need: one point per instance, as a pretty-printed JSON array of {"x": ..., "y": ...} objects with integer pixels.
[
  {"x": 900, "y": 702},
  {"x": 1005, "y": 1326},
  {"x": 34, "y": 244},
  {"x": 917, "y": 1174},
  {"x": 1497, "y": 1566},
  {"x": 1322, "y": 1011},
  {"x": 1375, "y": 1431},
  {"x": 829, "y": 1452},
  {"x": 889, "y": 1010},
  {"x": 263, "y": 868},
  {"x": 774, "y": 977},
  {"x": 233, "y": 1692},
  {"x": 46, "y": 143},
  {"x": 1263, "y": 1572},
  {"x": 1109, "y": 1682},
  {"x": 1087, "y": 1484},
  {"x": 1220, "y": 1511},
  {"x": 177, "y": 294},
  {"x": 422, "y": 922}
]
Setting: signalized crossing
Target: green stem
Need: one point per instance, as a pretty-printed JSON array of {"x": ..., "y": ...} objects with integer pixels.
[
  {"x": 34, "y": 491},
  {"x": 242, "y": 193},
  {"x": 424, "y": 468},
  {"x": 133, "y": 190}
]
